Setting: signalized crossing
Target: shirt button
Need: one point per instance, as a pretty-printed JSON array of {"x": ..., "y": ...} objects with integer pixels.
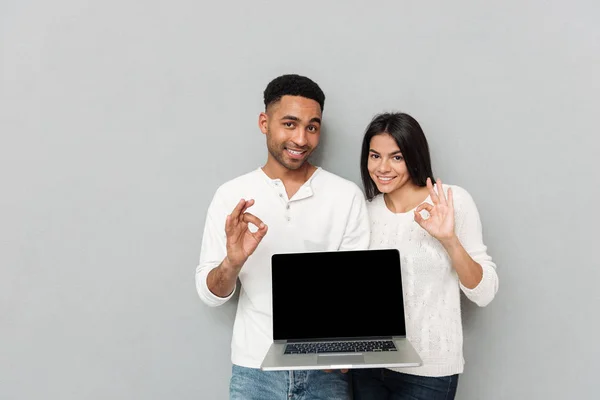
[
  {"x": 287, "y": 206},
  {"x": 280, "y": 195}
]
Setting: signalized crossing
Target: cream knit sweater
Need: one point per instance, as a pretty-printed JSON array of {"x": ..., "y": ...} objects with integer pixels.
[{"x": 431, "y": 286}]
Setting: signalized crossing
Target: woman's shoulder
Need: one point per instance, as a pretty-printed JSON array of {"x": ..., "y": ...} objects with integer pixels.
[
  {"x": 461, "y": 196},
  {"x": 376, "y": 202},
  {"x": 456, "y": 190},
  {"x": 377, "y": 209}
]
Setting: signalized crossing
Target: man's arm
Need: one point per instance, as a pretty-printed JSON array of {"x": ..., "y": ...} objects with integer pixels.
[
  {"x": 221, "y": 281},
  {"x": 212, "y": 254},
  {"x": 225, "y": 251},
  {"x": 358, "y": 231}
]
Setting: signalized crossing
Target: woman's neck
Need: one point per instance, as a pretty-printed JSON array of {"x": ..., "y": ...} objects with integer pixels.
[{"x": 405, "y": 198}]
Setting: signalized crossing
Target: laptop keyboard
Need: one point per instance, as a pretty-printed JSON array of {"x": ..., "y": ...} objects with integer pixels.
[{"x": 340, "y": 347}]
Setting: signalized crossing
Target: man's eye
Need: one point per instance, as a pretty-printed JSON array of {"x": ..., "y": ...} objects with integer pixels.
[
  {"x": 312, "y": 128},
  {"x": 288, "y": 124}
]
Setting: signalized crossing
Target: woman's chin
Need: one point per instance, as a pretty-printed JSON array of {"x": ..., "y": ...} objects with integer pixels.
[{"x": 384, "y": 189}]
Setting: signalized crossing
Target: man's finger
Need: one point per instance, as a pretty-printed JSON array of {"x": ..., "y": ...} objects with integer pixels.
[
  {"x": 260, "y": 233},
  {"x": 253, "y": 219},
  {"x": 249, "y": 203},
  {"x": 228, "y": 225},
  {"x": 237, "y": 211}
]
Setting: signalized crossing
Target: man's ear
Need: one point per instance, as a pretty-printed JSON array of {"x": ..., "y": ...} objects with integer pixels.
[{"x": 263, "y": 121}]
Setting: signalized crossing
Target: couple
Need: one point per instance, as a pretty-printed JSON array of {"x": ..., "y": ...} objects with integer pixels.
[{"x": 290, "y": 205}]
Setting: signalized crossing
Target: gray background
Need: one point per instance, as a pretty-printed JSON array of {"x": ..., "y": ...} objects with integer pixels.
[{"x": 119, "y": 119}]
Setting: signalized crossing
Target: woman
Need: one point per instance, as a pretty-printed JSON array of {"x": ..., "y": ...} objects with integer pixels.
[{"x": 438, "y": 233}]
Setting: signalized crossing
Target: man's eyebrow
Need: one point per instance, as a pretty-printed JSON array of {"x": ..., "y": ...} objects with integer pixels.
[
  {"x": 294, "y": 118},
  {"x": 290, "y": 117}
]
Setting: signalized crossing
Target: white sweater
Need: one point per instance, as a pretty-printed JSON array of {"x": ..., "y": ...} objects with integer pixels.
[
  {"x": 431, "y": 285},
  {"x": 327, "y": 213}
]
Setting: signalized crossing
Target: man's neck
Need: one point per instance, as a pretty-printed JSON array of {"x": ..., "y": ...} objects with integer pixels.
[{"x": 275, "y": 170}]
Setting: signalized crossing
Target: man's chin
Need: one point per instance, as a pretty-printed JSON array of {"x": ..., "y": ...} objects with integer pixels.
[{"x": 296, "y": 164}]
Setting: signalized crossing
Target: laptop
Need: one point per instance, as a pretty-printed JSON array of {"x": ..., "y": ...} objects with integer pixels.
[{"x": 338, "y": 310}]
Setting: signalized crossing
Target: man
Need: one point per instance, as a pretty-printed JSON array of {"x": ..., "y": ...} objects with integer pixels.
[{"x": 296, "y": 207}]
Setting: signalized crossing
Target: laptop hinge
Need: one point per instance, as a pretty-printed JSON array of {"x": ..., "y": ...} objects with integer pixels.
[{"x": 340, "y": 339}]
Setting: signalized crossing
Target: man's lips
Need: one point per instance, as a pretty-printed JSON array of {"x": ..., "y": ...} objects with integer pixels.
[{"x": 295, "y": 153}]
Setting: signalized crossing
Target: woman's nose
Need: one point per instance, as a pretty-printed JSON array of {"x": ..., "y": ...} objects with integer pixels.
[{"x": 383, "y": 166}]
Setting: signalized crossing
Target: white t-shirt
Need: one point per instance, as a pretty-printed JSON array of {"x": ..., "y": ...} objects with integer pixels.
[{"x": 327, "y": 213}]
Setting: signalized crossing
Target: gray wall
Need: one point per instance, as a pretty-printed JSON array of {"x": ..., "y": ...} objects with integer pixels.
[{"x": 119, "y": 119}]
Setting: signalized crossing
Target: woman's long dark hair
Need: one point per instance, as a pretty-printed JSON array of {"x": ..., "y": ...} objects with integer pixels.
[{"x": 411, "y": 140}]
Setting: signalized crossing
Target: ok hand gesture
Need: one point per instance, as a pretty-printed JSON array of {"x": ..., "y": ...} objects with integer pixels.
[
  {"x": 440, "y": 223},
  {"x": 241, "y": 242}
]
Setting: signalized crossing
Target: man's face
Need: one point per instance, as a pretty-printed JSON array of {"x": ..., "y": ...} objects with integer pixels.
[{"x": 293, "y": 127}]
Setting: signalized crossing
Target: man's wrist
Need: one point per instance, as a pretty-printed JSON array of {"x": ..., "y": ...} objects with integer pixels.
[{"x": 229, "y": 268}]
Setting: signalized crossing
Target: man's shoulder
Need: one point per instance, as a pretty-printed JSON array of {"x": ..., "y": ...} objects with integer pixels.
[
  {"x": 331, "y": 181},
  {"x": 240, "y": 183},
  {"x": 244, "y": 186}
]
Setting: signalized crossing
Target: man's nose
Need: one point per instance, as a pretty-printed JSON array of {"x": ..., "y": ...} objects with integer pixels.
[{"x": 299, "y": 138}]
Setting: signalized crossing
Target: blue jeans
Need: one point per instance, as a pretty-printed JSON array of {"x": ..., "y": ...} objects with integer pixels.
[
  {"x": 254, "y": 384},
  {"x": 385, "y": 384}
]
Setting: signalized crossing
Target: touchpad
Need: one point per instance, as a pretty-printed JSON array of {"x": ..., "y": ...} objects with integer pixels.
[{"x": 340, "y": 360}]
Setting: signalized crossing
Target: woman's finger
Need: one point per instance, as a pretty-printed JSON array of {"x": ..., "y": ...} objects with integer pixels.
[
  {"x": 432, "y": 193},
  {"x": 441, "y": 194}
]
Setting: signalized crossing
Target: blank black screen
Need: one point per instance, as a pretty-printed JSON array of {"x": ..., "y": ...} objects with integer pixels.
[{"x": 341, "y": 294}]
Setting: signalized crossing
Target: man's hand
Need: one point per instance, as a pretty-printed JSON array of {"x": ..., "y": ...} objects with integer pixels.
[{"x": 241, "y": 242}]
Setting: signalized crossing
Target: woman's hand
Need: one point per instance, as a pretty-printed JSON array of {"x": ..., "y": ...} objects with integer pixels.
[{"x": 440, "y": 223}]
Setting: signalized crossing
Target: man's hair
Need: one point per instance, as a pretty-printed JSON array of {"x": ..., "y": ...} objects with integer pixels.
[{"x": 293, "y": 85}]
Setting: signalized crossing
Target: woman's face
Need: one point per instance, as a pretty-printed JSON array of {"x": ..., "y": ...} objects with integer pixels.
[{"x": 386, "y": 164}]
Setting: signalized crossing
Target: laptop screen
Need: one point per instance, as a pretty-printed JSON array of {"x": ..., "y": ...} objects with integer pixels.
[{"x": 339, "y": 294}]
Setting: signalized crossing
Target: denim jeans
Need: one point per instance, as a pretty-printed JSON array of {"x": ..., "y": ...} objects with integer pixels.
[
  {"x": 385, "y": 384},
  {"x": 254, "y": 384}
]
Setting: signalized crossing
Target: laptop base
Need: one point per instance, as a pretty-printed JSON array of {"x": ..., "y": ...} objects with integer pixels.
[{"x": 405, "y": 356}]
